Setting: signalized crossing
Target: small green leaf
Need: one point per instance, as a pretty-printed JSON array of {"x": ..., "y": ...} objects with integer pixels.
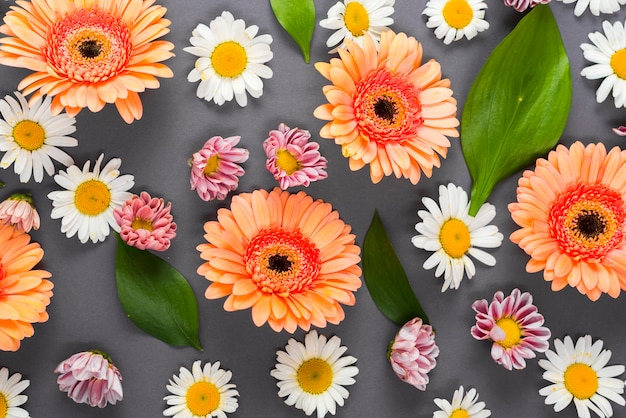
[
  {"x": 156, "y": 297},
  {"x": 297, "y": 17},
  {"x": 518, "y": 106},
  {"x": 386, "y": 279}
]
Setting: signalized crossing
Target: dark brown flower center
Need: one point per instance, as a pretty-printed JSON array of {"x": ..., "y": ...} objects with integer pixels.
[
  {"x": 90, "y": 48},
  {"x": 385, "y": 109},
  {"x": 279, "y": 263},
  {"x": 590, "y": 225}
]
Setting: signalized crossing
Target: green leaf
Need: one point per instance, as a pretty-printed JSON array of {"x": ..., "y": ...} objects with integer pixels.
[
  {"x": 156, "y": 297},
  {"x": 385, "y": 277},
  {"x": 518, "y": 106},
  {"x": 297, "y": 17}
]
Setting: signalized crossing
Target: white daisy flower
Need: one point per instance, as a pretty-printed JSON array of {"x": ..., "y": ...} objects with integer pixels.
[
  {"x": 10, "y": 395},
  {"x": 609, "y": 57},
  {"x": 461, "y": 406},
  {"x": 30, "y": 137},
  {"x": 202, "y": 392},
  {"x": 312, "y": 375},
  {"x": 453, "y": 19},
  {"x": 232, "y": 60},
  {"x": 454, "y": 235},
  {"x": 580, "y": 373},
  {"x": 86, "y": 206},
  {"x": 595, "y": 6},
  {"x": 352, "y": 19}
]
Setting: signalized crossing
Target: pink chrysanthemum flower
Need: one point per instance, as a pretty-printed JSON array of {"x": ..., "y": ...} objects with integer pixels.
[
  {"x": 413, "y": 352},
  {"x": 523, "y": 5},
  {"x": 146, "y": 223},
  {"x": 621, "y": 130},
  {"x": 292, "y": 159},
  {"x": 90, "y": 377},
  {"x": 514, "y": 326},
  {"x": 19, "y": 210},
  {"x": 214, "y": 168}
]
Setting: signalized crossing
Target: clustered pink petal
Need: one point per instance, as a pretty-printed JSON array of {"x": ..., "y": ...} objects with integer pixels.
[
  {"x": 90, "y": 377},
  {"x": 292, "y": 159},
  {"x": 518, "y": 307},
  {"x": 413, "y": 353},
  {"x": 214, "y": 168},
  {"x": 146, "y": 223},
  {"x": 19, "y": 210},
  {"x": 523, "y": 5},
  {"x": 620, "y": 130}
]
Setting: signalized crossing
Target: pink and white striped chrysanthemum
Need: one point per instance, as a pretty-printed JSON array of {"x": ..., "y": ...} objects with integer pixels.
[
  {"x": 292, "y": 159},
  {"x": 413, "y": 352},
  {"x": 146, "y": 222},
  {"x": 214, "y": 168},
  {"x": 514, "y": 326}
]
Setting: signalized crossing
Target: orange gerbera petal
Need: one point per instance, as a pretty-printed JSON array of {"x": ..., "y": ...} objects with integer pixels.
[
  {"x": 295, "y": 260},
  {"x": 572, "y": 214},
  {"x": 24, "y": 293},
  {"x": 385, "y": 107},
  {"x": 88, "y": 53}
]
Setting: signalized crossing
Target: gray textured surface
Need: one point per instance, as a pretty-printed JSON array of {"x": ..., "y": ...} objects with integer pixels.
[{"x": 85, "y": 312}]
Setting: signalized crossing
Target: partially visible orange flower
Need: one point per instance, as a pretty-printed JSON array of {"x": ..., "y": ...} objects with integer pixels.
[
  {"x": 572, "y": 214},
  {"x": 386, "y": 109},
  {"x": 87, "y": 53},
  {"x": 25, "y": 293},
  {"x": 288, "y": 257}
]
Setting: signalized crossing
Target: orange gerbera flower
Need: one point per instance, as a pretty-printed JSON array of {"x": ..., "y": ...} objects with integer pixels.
[
  {"x": 288, "y": 257},
  {"x": 573, "y": 217},
  {"x": 87, "y": 53},
  {"x": 24, "y": 293},
  {"x": 386, "y": 109}
]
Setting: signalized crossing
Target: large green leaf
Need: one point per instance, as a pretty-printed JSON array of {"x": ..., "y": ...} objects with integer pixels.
[
  {"x": 297, "y": 17},
  {"x": 386, "y": 279},
  {"x": 156, "y": 297},
  {"x": 518, "y": 105}
]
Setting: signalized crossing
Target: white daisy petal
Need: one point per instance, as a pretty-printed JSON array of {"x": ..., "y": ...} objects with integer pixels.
[
  {"x": 455, "y": 19},
  {"x": 11, "y": 389},
  {"x": 462, "y": 405}
]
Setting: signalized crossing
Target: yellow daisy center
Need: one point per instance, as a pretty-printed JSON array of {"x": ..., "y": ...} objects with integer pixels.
[
  {"x": 141, "y": 224},
  {"x": 512, "y": 332},
  {"x": 618, "y": 63},
  {"x": 211, "y": 165},
  {"x": 314, "y": 376},
  {"x": 29, "y": 135},
  {"x": 287, "y": 161},
  {"x": 229, "y": 59},
  {"x": 457, "y": 13},
  {"x": 92, "y": 197},
  {"x": 356, "y": 18},
  {"x": 4, "y": 406},
  {"x": 454, "y": 237},
  {"x": 459, "y": 413},
  {"x": 581, "y": 380},
  {"x": 202, "y": 398}
]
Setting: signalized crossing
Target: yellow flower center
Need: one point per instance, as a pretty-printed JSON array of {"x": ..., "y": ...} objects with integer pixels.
[
  {"x": 356, "y": 18},
  {"x": 618, "y": 63},
  {"x": 141, "y": 224},
  {"x": 229, "y": 59},
  {"x": 581, "y": 381},
  {"x": 211, "y": 165},
  {"x": 454, "y": 237},
  {"x": 29, "y": 135},
  {"x": 202, "y": 398},
  {"x": 512, "y": 332},
  {"x": 459, "y": 413},
  {"x": 92, "y": 197},
  {"x": 457, "y": 13},
  {"x": 314, "y": 376},
  {"x": 287, "y": 161},
  {"x": 4, "y": 406}
]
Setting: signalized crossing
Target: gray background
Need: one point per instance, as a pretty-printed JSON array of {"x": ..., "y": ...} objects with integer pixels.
[{"x": 85, "y": 312}]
